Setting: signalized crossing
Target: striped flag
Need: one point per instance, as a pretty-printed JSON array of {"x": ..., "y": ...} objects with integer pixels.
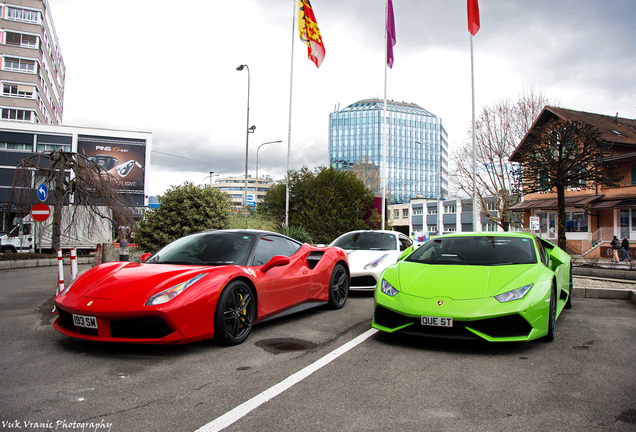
[{"x": 309, "y": 32}]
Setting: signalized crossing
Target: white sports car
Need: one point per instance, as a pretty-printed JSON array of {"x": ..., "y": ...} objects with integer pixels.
[{"x": 370, "y": 252}]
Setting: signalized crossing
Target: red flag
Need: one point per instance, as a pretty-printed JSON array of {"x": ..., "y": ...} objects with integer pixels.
[
  {"x": 390, "y": 33},
  {"x": 473, "y": 16},
  {"x": 309, "y": 32}
]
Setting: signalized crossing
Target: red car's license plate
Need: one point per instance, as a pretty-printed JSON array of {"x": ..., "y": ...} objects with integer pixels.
[
  {"x": 437, "y": 321},
  {"x": 85, "y": 321}
]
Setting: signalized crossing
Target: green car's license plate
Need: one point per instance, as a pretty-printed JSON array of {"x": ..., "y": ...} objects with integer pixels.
[{"x": 437, "y": 321}]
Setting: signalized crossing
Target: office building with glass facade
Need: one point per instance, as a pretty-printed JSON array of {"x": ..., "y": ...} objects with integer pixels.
[{"x": 416, "y": 145}]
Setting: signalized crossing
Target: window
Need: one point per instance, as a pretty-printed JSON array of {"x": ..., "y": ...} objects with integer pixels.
[
  {"x": 19, "y": 65},
  {"x": 432, "y": 228},
  {"x": 16, "y": 146},
  {"x": 576, "y": 221},
  {"x": 396, "y": 214},
  {"x": 489, "y": 227},
  {"x": 450, "y": 229},
  {"x": 24, "y": 15},
  {"x": 16, "y": 114},
  {"x": 18, "y": 90},
  {"x": 450, "y": 209},
  {"x": 432, "y": 211},
  {"x": 21, "y": 40},
  {"x": 491, "y": 206},
  {"x": 270, "y": 246},
  {"x": 405, "y": 213}
]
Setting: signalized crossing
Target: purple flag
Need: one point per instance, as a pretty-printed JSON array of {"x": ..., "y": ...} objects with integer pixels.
[{"x": 390, "y": 33}]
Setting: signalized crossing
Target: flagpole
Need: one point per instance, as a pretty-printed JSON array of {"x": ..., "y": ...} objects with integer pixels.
[
  {"x": 386, "y": 62},
  {"x": 476, "y": 221},
  {"x": 291, "y": 80}
]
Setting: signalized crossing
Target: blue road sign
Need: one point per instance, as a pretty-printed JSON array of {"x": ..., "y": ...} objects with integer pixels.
[{"x": 43, "y": 192}]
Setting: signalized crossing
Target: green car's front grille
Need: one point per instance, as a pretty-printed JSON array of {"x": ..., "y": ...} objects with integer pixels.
[{"x": 505, "y": 326}]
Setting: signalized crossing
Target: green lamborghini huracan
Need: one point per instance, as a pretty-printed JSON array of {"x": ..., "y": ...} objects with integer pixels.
[{"x": 497, "y": 286}]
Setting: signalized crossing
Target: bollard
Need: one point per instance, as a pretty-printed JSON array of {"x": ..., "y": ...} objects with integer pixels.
[
  {"x": 60, "y": 277},
  {"x": 60, "y": 272},
  {"x": 73, "y": 263},
  {"x": 123, "y": 250}
]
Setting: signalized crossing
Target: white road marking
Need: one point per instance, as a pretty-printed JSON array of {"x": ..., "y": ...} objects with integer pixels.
[{"x": 245, "y": 408}]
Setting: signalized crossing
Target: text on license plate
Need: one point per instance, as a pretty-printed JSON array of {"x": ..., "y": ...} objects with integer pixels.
[
  {"x": 437, "y": 321},
  {"x": 85, "y": 321}
]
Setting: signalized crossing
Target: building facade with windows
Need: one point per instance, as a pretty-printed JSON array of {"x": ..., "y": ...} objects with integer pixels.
[
  {"x": 234, "y": 188},
  {"x": 32, "y": 72},
  {"x": 594, "y": 213},
  {"x": 422, "y": 216},
  {"x": 416, "y": 146},
  {"x": 123, "y": 154}
]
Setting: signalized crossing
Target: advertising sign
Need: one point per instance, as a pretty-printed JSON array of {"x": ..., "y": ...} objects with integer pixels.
[{"x": 123, "y": 158}]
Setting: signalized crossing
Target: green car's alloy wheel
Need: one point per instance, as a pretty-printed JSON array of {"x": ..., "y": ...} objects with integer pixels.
[
  {"x": 552, "y": 316},
  {"x": 338, "y": 287},
  {"x": 235, "y": 314}
]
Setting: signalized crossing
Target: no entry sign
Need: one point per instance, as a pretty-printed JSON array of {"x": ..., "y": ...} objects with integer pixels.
[{"x": 40, "y": 212}]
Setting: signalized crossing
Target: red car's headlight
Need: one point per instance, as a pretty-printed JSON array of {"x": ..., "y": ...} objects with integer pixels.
[{"x": 170, "y": 293}]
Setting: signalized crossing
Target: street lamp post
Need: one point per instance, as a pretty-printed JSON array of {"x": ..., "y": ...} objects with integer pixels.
[
  {"x": 248, "y": 129},
  {"x": 211, "y": 175},
  {"x": 259, "y": 147},
  {"x": 439, "y": 189}
]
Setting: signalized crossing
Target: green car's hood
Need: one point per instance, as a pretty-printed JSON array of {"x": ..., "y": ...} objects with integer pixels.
[{"x": 459, "y": 282}]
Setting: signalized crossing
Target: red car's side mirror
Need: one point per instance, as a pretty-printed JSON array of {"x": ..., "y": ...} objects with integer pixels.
[
  {"x": 276, "y": 261},
  {"x": 145, "y": 256}
]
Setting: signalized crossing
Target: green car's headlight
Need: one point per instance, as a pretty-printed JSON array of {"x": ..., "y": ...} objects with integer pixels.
[
  {"x": 515, "y": 294},
  {"x": 374, "y": 264},
  {"x": 387, "y": 288},
  {"x": 170, "y": 293}
]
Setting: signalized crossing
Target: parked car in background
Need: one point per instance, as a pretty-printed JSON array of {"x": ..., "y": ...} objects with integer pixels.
[{"x": 370, "y": 252}]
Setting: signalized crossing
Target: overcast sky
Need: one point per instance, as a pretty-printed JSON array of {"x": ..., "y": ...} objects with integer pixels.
[{"x": 170, "y": 68}]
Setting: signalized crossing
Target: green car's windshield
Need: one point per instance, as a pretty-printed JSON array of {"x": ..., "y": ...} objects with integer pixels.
[
  {"x": 476, "y": 250},
  {"x": 366, "y": 240},
  {"x": 207, "y": 248}
]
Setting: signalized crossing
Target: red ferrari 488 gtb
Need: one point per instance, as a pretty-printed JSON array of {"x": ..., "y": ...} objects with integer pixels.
[{"x": 214, "y": 284}]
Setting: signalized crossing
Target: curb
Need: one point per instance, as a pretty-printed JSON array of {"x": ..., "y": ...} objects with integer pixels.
[
  {"x": 604, "y": 273},
  {"x": 46, "y": 262},
  {"x": 606, "y": 294}
]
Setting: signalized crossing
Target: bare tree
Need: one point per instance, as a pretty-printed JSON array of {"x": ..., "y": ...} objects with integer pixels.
[
  {"x": 498, "y": 131},
  {"x": 70, "y": 177},
  {"x": 562, "y": 155}
]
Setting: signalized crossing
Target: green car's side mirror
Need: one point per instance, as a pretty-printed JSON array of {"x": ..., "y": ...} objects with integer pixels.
[{"x": 406, "y": 252}]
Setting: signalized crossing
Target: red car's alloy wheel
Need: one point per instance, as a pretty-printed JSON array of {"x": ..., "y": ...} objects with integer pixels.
[
  {"x": 338, "y": 287},
  {"x": 235, "y": 313}
]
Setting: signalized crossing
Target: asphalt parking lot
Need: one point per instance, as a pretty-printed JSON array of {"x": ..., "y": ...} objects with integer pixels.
[{"x": 583, "y": 381}]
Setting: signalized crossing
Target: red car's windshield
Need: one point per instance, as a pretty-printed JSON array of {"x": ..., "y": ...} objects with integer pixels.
[{"x": 208, "y": 248}]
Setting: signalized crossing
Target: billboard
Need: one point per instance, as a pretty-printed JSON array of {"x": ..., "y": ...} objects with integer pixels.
[{"x": 123, "y": 158}]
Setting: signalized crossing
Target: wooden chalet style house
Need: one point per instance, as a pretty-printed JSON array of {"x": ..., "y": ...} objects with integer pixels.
[{"x": 596, "y": 214}]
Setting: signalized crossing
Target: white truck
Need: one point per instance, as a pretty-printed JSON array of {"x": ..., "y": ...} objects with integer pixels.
[{"x": 81, "y": 235}]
